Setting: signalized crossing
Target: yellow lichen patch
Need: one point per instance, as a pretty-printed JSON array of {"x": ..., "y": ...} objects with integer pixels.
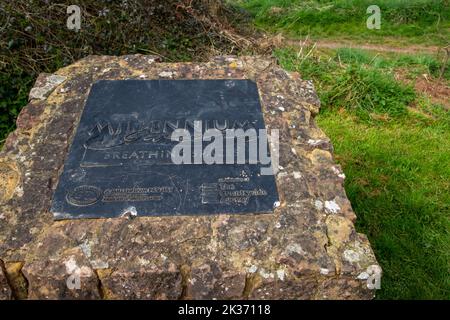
[
  {"x": 319, "y": 157},
  {"x": 185, "y": 271},
  {"x": 69, "y": 70},
  {"x": 35, "y": 129},
  {"x": 239, "y": 259},
  {"x": 338, "y": 231},
  {"x": 16, "y": 280},
  {"x": 102, "y": 274},
  {"x": 252, "y": 281},
  {"x": 9, "y": 179},
  {"x": 56, "y": 98}
]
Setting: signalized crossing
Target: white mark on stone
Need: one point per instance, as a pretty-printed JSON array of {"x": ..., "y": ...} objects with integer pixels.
[
  {"x": 297, "y": 174},
  {"x": 19, "y": 191},
  {"x": 338, "y": 172},
  {"x": 314, "y": 143},
  {"x": 332, "y": 206},
  {"x": 166, "y": 74},
  {"x": 86, "y": 248},
  {"x": 281, "y": 274},
  {"x": 143, "y": 262},
  {"x": 71, "y": 265},
  {"x": 282, "y": 174},
  {"x": 318, "y": 204},
  {"x": 252, "y": 269},
  {"x": 265, "y": 274},
  {"x": 98, "y": 264},
  {"x": 324, "y": 271},
  {"x": 351, "y": 256},
  {"x": 293, "y": 151},
  {"x": 51, "y": 82},
  {"x": 363, "y": 276},
  {"x": 295, "y": 248}
]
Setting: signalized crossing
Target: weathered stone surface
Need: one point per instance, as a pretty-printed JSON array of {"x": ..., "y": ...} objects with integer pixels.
[
  {"x": 44, "y": 85},
  {"x": 307, "y": 249},
  {"x": 5, "y": 290},
  {"x": 69, "y": 275}
]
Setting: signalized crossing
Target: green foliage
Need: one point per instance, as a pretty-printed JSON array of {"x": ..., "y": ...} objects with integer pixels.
[
  {"x": 14, "y": 89},
  {"x": 392, "y": 142},
  {"x": 34, "y": 38},
  {"x": 422, "y": 21},
  {"x": 397, "y": 181},
  {"x": 348, "y": 80},
  {"x": 369, "y": 90},
  {"x": 397, "y": 168},
  {"x": 417, "y": 63}
]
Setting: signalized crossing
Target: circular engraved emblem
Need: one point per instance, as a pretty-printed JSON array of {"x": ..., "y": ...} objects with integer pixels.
[{"x": 84, "y": 195}]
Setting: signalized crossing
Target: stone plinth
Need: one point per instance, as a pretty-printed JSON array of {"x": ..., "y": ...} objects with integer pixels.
[{"x": 307, "y": 249}]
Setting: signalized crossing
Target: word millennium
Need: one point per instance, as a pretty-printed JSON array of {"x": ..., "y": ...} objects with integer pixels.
[
  {"x": 109, "y": 134},
  {"x": 186, "y": 142}
]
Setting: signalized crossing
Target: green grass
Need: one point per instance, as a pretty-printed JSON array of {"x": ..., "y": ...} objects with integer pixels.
[
  {"x": 418, "y": 21},
  {"x": 396, "y": 159},
  {"x": 416, "y": 64},
  {"x": 392, "y": 142},
  {"x": 398, "y": 182}
]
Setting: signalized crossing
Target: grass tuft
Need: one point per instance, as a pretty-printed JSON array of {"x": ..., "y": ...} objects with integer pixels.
[
  {"x": 347, "y": 79},
  {"x": 419, "y": 21}
]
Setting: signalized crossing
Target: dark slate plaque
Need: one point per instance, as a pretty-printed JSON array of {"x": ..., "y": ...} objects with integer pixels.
[{"x": 120, "y": 159}]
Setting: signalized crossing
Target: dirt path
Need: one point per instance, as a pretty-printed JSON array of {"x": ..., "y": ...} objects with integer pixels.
[{"x": 350, "y": 44}]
